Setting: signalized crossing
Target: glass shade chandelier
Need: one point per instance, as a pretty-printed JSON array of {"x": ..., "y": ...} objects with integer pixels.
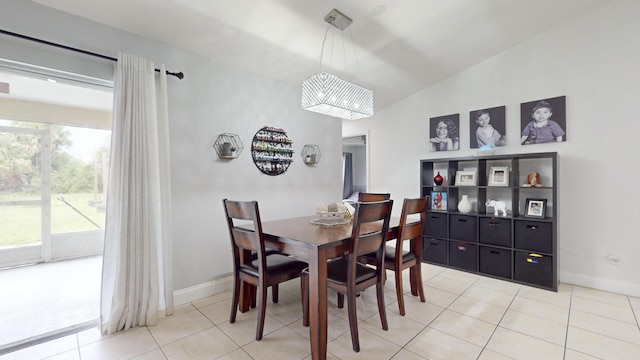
[{"x": 327, "y": 94}]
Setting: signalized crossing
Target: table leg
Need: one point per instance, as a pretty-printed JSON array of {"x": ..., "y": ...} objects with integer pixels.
[{"x": 318, "y": 304}]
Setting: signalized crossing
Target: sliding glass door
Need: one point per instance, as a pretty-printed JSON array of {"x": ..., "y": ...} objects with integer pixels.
[{"x": 54, "y": 154}]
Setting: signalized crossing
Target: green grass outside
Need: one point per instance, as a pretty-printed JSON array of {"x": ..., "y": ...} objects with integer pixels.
[{"x": 21, "y": 224}]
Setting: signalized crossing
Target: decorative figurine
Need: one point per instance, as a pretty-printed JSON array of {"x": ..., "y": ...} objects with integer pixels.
[
  {"x": 497, "y": 206},
  {"x": 533, "y": 180}
]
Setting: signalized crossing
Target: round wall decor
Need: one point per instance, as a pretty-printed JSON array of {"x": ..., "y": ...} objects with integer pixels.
[{"x": 272, "y": 150}]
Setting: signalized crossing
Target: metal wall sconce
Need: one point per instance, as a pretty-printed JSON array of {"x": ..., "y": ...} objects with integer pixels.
[
  {"x": 311, "y": 154},
  {"x": 228, "y": 146}
]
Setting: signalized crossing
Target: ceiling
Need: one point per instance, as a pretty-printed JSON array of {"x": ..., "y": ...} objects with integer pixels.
[{"x": 394, "y": 47}]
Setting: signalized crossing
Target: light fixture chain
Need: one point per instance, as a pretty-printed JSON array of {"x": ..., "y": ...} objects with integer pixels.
[
  {"x": 333, "y": 38},
  {"x": 344, "y": 53},
  {"x": 323, "y": 42}
]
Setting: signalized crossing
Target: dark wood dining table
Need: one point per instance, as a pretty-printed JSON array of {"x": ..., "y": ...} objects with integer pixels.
[{"x": 314, "y": 244}]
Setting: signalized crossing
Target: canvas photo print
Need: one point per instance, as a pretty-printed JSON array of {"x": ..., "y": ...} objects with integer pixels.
[
  {"x": 487, "y": 128},
  {"x": 439, "y": 200},
  {"x": 543, "y": 121},
  {"x": 444, "y": 133}
]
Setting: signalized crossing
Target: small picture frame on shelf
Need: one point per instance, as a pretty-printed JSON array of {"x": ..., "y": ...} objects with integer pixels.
[
  {"x": 499, "y": 176},
  {"x": 466, "y": 178},
  {"x": 535, "y": 208},
  {"x": 439, "y": 200}
]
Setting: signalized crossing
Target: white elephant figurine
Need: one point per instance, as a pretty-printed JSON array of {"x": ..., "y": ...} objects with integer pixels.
[{"x": 497, "y": 206}]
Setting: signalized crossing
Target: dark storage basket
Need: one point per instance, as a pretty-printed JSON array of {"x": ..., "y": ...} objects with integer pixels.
[
  {"x": 533, "y": 268},
  {"x": 495, "y": 231},
  {"x": 436, "y": 225},
  {"x": 463, "y": 227},
  {"x": 434, "y": 250},
  {"x": 534, "y": 236},
  {"x": 495, "y": 261},
  {"x": 463, "y": 255}
]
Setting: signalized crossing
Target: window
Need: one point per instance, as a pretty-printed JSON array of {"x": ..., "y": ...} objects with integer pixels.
[{"x": 54, "y": 147}]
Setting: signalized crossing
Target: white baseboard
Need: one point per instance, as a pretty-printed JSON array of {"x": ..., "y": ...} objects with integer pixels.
[
  {"x": 619, "y": 287},
  {"x": 185, "y": 296}
]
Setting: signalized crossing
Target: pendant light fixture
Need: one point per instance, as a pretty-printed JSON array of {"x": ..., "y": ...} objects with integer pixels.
[{"x": 326, "y": 93}]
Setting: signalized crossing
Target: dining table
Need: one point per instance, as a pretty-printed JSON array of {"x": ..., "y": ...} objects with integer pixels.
[{"x": 315, "y": 244}]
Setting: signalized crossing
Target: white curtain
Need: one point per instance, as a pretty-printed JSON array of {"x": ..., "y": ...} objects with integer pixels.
[{"x": 136, "y": 273}]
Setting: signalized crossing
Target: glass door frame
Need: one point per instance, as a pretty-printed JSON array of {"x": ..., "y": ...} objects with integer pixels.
[{"x": 28, "y": 254}]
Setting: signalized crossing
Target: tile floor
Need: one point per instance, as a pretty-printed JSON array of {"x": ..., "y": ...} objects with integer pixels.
[{"x": 465, "y": 317}]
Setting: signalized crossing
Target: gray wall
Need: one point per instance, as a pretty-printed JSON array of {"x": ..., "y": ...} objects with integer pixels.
[
  {"x": 212, "y": 99},
  {"x": 593, "y": 60}
]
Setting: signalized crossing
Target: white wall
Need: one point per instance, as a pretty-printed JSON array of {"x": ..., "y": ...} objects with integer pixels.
[
  {"x": 594, "y": 61},
  {"x": 212, "y": 99}
]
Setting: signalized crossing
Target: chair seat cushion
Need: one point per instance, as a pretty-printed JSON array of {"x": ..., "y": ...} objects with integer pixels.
[
  {"x": 337, "y": 271},
  {"x": 276, "y": 264}
]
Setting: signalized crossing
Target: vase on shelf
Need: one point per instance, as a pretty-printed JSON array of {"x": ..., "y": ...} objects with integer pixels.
[
  {"x": 464, "y": 206},
  {"x": 438, "y": 179}
]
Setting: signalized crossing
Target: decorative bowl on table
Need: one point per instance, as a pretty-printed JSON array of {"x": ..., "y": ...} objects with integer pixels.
[{"x": 331, "y": 216}]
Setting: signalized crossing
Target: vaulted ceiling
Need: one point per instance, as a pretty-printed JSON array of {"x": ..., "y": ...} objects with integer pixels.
[{"x": 394, "y": 47}]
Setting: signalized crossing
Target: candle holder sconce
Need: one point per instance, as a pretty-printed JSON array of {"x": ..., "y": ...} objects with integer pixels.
[
  {"x": 228, "y": 146},
  {"x": 311, "y": 154}
]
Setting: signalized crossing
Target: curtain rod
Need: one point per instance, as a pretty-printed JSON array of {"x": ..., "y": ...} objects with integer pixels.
[{"x": 179, "y": 75}]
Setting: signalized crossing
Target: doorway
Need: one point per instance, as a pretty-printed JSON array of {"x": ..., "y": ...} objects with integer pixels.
[
  {"x": 356, "y": 146},
  {"x": 54, "y": 145}
]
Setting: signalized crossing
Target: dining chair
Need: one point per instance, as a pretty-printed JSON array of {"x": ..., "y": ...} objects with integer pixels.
[
  {"x": 398, "y": 259},
  {"x": 252, "y": 263},
  {"x": 368, "y": 197},
  {"x": 348, "y": 277}
]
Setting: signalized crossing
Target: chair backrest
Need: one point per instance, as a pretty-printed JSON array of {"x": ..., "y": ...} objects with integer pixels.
[
  {"x": 412, "y": 228},
  {"x": 369, "y": 197},
  {"x": 364, "y": 240},
  {"x": 244, "y": 239}
]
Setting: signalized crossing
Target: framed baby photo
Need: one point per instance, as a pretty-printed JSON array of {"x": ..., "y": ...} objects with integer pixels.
[
  {"x": 487, "y": 128},
  {"x": 466, "y": 178},
  {"x": 439, "y": 200},
  {"x": 499, "y": 176},
  {"x": 535, "y": 208},
  {"x": 444, "y": 133},
  {"x": 543, "y": 121}
]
